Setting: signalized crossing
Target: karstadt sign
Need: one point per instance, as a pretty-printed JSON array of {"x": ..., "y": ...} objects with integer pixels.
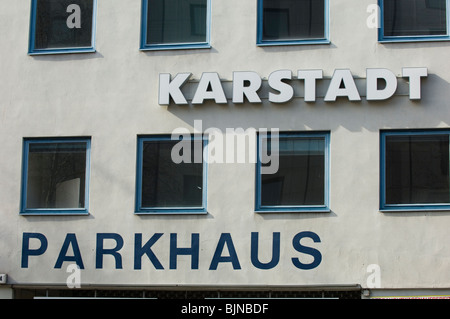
[{"x": 247, "y": 84}]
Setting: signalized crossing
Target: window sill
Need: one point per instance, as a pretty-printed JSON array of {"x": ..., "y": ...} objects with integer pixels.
[
  {"x": 62, "y": 51},
  {"x": 299, "y": 42},
  {"x": 186, "y": 46},
  {"x": 293, "y": 210},
  {"x": 413, "y": 39},
  {"x": 56, "y": 212},
  {"x": 172, "y": 212},
  {"x": 423, "y": 208}
]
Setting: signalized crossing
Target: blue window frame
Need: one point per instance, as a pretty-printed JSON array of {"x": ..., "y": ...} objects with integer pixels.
[
  {"x": 62, "y": 26},
  {"x": 301, "y": 182},
  {"x": 414, "y": 170},
  {"x": 171, "y": 175},
  {"x": 175, "y": 24},
  {"x": 414, "y": 20},
  {"x": 55, "y": 176},
  {"x": 286, "y": 22}
]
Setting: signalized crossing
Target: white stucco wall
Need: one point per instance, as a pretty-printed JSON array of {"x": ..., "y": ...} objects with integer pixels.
[{"x": 112, "y": 96}]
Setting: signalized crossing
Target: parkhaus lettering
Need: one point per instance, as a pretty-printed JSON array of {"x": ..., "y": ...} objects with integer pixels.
[
  {"x": 247, "y": 84},
  {"x": 34, "y": 245}
]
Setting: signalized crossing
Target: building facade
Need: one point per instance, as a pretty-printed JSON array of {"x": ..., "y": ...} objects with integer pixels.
[{"x": 211, "y": 148}]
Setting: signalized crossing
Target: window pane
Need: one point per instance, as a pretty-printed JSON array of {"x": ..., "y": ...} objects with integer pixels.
[
  {"x": 415, "y": 17},
  {"x": 293, "y": 19},
  {"x": 300, "y": 179},
  {"x": 56, "y": 175},
  {"x": 168, "y": 184},
  {"x": 417, "y": 169},
  {"x": 52, "y": 30},
  {"x": 176, "y": 21}
]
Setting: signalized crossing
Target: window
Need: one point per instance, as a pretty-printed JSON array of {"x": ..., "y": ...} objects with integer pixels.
[
  {"x": 62, "y": 26},
  {"x": 301, "y": 181},
  {"x": 171, "y": 175},
  {"x": 415, "y": 170},
  {"x": 55, "y": 176},
  {"x": 283, "y": 22},
  {"x": 414, "y": 20},
  {"x": 175, "y": 24}
]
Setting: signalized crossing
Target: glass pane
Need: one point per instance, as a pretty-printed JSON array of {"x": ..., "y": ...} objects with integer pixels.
[
  {"x": 52, "y": 27},
  {"x": 300, "y": 179},
  {"x": 415, "y": 17},
  {"x": 417, "y": 169},
  {"x": 176, "y": 21},
  {"x": 293, "y": 19},
  {"x": 166, "y": 183},
  {"x": 56, "y": 175}
]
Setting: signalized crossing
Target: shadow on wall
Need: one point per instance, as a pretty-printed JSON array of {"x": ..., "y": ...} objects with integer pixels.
[{"x": 398, "y": 111}]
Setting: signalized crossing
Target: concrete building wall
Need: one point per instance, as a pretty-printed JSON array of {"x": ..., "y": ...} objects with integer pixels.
[{"x": 112, "y": 96}]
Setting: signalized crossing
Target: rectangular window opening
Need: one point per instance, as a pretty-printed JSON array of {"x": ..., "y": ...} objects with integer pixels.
[
  {"x": 292, "y": 21},
  {"x": 56, "y": 175},
  {"x": 62, "y": 26},
  {"x": 172, "y": 24},
  {"x": 415, "y": 171},
  {"x": 414, "y": 20},
  {"x": 171, "y": 175},
  {"x": 301, "y": 181}
]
